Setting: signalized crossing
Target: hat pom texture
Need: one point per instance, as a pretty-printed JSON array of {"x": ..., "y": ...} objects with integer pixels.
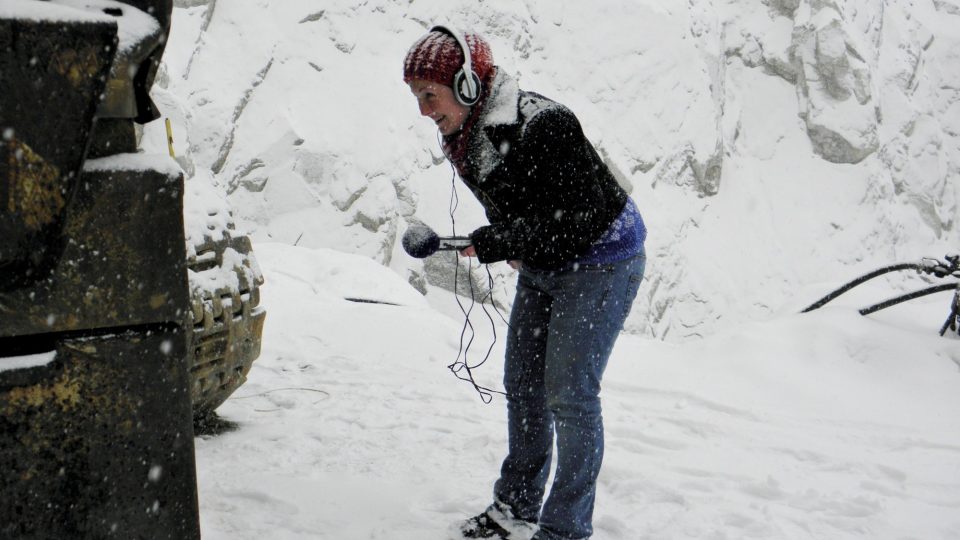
[{"x": 437, "y": 57}]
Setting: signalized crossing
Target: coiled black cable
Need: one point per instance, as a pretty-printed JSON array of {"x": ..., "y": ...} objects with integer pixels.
[{"x": 461, "y": 366}]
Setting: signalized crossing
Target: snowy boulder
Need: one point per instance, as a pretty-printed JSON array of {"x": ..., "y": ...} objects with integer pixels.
[
  {"x": 834, "y": 85},
  {"x": 918, "y": 168},
  {"x": 762, "y": 38},
  {"x": 950, "y": 7},
  {"x": 785, "y": 7},
  {"x": 700, "y": 152},
  {"x": 919, "y": 136},
  {"x": 698, "y": 171}
]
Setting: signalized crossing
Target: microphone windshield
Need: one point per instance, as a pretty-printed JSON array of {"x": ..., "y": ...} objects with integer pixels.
[{"x": 420, "y": 241}]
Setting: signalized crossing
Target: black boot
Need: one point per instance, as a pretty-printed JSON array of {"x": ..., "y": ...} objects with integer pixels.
[
  {"x": 483, "y": 526},
  {"x": 499, "y": 523}
]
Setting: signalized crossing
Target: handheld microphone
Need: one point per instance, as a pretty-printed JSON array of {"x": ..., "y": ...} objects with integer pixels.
[{"x": 421, "y": 241}]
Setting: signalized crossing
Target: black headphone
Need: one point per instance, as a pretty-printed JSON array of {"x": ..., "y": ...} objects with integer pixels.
[{"x": 466, "y": 83}]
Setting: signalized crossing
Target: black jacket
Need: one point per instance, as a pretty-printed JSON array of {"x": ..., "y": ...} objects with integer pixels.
[{"x": 547, "y": 193}]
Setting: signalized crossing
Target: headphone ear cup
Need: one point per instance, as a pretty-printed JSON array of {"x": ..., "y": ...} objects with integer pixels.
[{"x": 465, "y": 93}]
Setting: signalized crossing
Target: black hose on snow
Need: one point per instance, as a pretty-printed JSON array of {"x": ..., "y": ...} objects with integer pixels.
[
  {"x": 909, "y": 296},
  {"x": 860, "y": 280}
]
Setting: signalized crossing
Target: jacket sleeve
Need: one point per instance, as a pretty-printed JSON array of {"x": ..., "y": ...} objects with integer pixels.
[{"x": 565, "y": 172}]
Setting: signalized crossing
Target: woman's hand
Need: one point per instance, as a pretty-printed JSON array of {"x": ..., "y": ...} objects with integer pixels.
[{"x": 470, "y": 251}]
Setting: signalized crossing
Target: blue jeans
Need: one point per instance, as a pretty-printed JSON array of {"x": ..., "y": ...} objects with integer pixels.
[{"x": 562, "y": 329}]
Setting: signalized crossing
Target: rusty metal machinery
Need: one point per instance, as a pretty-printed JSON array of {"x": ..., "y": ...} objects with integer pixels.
[
  {"x": 94, "y": 382},
  {"x": 41, "y": 154},
  {"x": 225, "y": 322}
]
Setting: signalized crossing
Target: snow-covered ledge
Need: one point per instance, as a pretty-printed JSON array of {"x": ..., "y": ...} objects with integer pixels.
[{"x": 11, "y": 363}]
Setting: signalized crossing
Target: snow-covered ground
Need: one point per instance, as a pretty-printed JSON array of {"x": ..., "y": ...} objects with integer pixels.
[{"x": 827, "y": 425}]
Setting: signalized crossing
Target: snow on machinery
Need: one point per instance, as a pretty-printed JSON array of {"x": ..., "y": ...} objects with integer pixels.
[
  {"x": 225, "y": 320},
  {"x": 94, "y": 385},
  {"x": 118, "y": 330}
]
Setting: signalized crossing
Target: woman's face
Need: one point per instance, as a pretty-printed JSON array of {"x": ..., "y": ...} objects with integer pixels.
[{"x": 437, "y": 102}]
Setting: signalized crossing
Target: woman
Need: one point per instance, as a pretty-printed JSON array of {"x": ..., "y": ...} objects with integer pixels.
[{"x": 556, "y": 213}]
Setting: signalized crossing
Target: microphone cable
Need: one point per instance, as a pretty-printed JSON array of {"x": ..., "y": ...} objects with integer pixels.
[{"x": 461, "y": 367}]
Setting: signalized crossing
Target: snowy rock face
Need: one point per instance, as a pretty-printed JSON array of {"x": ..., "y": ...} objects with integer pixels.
[
  {"x": 775, "y": 148},
  {"x": 833, "y": 84}
]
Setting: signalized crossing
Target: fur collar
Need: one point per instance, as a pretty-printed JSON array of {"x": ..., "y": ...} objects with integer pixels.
[
  {"x": 502, "y": 108},
  {"x": 502, "y": 104}
]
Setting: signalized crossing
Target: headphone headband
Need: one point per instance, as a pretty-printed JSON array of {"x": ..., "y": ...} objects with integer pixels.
[{"x": 466, "y": 83}]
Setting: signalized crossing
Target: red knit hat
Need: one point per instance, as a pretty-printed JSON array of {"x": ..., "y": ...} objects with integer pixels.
[{"x": 436, "y": 57}]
